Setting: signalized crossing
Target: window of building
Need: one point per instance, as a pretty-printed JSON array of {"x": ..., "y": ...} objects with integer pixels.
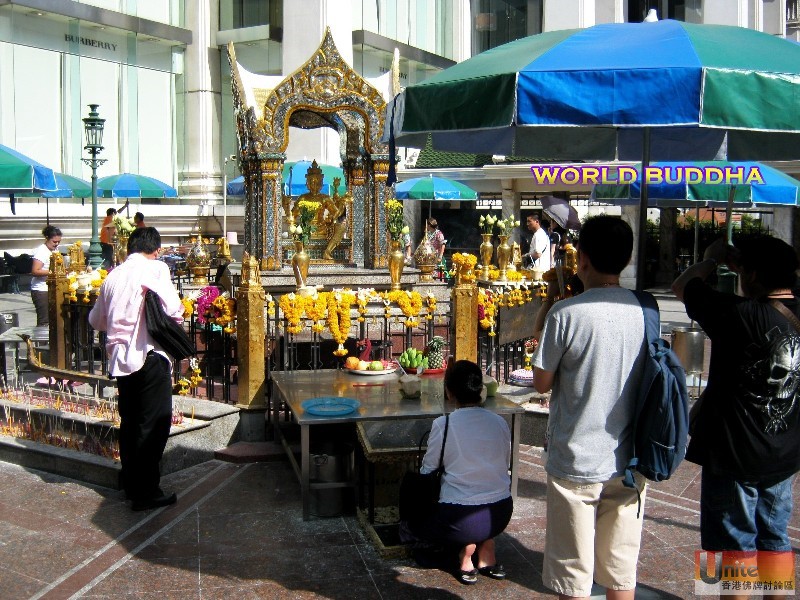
[
  {"x": 680, "y": 10},
  {"x": 487, "y": 201},
  {"x": 496, "y": 22},
  {"x": 238, "y": 14}
]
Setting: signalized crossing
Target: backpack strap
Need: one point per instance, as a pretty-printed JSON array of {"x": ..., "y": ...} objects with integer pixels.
[
  {"x": 652, "y": 320},
  {"x": 652, "y": 332},
  {"x": 790, "y": 316}
]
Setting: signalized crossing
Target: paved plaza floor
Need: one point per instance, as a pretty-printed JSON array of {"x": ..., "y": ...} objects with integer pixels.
[{"x": 237, "y": 532}]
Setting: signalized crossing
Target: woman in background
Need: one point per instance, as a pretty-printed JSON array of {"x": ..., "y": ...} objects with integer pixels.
[{"x": 40, "y": 270}]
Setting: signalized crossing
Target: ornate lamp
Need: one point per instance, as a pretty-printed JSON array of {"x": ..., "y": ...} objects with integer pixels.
[{"x": 93, "y": 126}]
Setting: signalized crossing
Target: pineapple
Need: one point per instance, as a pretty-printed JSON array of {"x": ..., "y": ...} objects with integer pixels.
[{"x": 434, "y": 352}]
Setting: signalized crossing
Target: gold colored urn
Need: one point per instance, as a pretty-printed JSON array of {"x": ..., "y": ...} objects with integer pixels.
[
  {"x": 199, "y": 260},
  {"x": 426, "y": 258}
]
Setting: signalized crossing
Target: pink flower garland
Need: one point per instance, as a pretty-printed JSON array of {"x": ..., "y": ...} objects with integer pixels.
[{"x": 207, "y": 296}]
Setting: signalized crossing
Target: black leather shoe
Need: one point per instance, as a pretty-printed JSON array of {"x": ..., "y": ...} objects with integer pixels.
[{"x": 157, "y": 502}]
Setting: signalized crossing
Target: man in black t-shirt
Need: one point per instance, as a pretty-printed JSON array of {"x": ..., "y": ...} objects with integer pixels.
[{"x": 747, "y": 431}]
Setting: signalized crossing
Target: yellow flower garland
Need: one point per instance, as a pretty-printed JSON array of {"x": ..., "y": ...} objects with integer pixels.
[{"x": 410, "y": 303}]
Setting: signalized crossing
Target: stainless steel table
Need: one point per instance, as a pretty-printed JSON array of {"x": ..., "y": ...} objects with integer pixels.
[{"x": 380, "y": 399}]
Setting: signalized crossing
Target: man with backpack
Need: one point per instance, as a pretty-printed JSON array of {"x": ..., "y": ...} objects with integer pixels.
[
  {"x": 593, "y": 353},
  {"x": 746, "y": 433}
]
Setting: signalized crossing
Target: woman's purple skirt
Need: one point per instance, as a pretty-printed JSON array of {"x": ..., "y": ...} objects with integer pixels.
[{"x": 461, "y": 524}]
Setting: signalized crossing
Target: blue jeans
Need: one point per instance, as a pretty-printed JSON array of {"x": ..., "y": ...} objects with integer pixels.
[{"x": 736, "y": 515}]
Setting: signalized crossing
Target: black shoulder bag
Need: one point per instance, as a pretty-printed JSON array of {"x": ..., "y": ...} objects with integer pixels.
[
  {"x": 419, "y": 493},
  {"x": 164, "y": 330}
]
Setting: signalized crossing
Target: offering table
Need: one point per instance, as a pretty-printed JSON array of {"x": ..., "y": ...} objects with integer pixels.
[{"x": 379, "y": 399}]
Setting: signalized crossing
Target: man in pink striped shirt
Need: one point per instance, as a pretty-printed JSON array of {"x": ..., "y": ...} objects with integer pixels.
[{"x": 140, "y": 365}]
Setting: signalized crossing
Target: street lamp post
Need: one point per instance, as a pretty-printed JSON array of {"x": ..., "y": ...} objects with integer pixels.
[{"x": 93, "y": 125}]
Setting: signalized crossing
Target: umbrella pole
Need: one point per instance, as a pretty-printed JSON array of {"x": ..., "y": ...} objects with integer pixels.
[
  {"x": 729, "y": 214},
  {"x": 641, "y": 264},
  {"x": 696, "y": 253}
]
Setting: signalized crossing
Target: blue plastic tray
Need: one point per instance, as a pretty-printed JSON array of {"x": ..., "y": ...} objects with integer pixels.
[{"x": 329, "y": 406}]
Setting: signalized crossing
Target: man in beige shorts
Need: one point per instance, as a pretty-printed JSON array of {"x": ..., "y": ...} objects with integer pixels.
[{"x": 592, "y": 354}]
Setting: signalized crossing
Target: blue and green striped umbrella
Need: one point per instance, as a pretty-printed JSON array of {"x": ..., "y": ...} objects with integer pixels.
[
  {"x": 433, "y": 188},
  {"x": 67, "y": 186},
  {"x": 704, "y": 92},
  {"x": 129, "y": 185},
  {"x": 20, "y": 173},
  {"x": 766, "y": 185}
]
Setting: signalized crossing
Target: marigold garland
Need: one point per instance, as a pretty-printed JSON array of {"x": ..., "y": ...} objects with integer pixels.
[
  {"x": 223, "y": 313},
  {"x": 463, "y": 267},
  {"x": 410, "y": 303}
]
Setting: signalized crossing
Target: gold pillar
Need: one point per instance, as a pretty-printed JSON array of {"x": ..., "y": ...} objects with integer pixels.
[
  {"x": 250, "y": 336},
  {"x": 57, "y": 291},
  {"x": 465, "y": 315}
]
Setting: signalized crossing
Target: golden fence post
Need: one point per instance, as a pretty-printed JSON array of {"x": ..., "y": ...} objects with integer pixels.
[
  {"x": 57, "y": 291},
  {"x": 250, "y": 351},
  {"x": 464, "y": 298}
]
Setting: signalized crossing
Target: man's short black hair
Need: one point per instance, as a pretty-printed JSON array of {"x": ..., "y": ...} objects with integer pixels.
[
  {"x": 773, "y": 261},
  {"x": 144, "y": 239},
  {"x": 138, "y": 217},
  {"x": 608, "y": 242},
  {"x": 110, "y": 212}
]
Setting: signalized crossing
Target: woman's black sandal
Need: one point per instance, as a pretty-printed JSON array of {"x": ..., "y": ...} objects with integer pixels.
[
  {"x": 493, "y": 571},
  {"x": 468, "y": 577}
]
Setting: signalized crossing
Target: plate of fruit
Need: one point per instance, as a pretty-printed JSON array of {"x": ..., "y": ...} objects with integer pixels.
[
  {"x": 430, "y": 361},
  {"x": 369, "y": 367}
]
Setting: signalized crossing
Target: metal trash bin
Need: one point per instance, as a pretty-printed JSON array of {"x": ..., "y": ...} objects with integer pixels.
[
  {"x": 689, "y": 345},
  {"x": 331, "y": 462},
  {"x": 8, "y": 320}
]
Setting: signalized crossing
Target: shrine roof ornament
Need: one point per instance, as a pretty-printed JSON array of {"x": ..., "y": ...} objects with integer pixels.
[{"x": 309, "y": 98}]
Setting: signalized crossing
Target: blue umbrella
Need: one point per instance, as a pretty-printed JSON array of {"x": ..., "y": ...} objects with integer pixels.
[
  {"x": 67, "y": 186},
  {"x": 129, "y": 185},
  {"x": 235, "y": 187},
  {"x": 296, "y": 173},
  {"x": 433, "y": 188},
  {"x": 20, "y": 173},
  {"x": 684, "y": 189},
  {"x": 667, "y": 90}
]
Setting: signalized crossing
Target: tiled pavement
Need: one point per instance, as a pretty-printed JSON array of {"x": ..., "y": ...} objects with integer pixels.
[{"x": 237, "y": 532}]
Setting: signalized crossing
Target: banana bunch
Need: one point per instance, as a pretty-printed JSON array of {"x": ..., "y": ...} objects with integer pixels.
[{"x": 412, "y": 359}]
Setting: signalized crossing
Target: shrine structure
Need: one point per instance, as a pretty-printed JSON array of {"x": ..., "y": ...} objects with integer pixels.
[{"x": 324, "y": 92}]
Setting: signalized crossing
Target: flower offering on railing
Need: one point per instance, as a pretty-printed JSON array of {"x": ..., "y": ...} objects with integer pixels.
[
  {"x": 334, "y": 309},
  {"x": 203, "y": 301},
  {"x": 463, "y": 267},
  {"x": 394, "y": 219},
  {"x": 408, "y": 302},
  {"x": 494, "y": 274},
  {"x": 339, "y": 304},
  {"x": 191, "y": 379},
  {"x": 211, "y": 306},
  {"x": 86, "y": 282},
  {"x": 486, "y": 223},
  {"x": 486, "y": 310},
  {"x": 430, "y": 301}
]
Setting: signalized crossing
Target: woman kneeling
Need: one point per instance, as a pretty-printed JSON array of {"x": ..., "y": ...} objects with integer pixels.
[{"x": 475, "y": 502}]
